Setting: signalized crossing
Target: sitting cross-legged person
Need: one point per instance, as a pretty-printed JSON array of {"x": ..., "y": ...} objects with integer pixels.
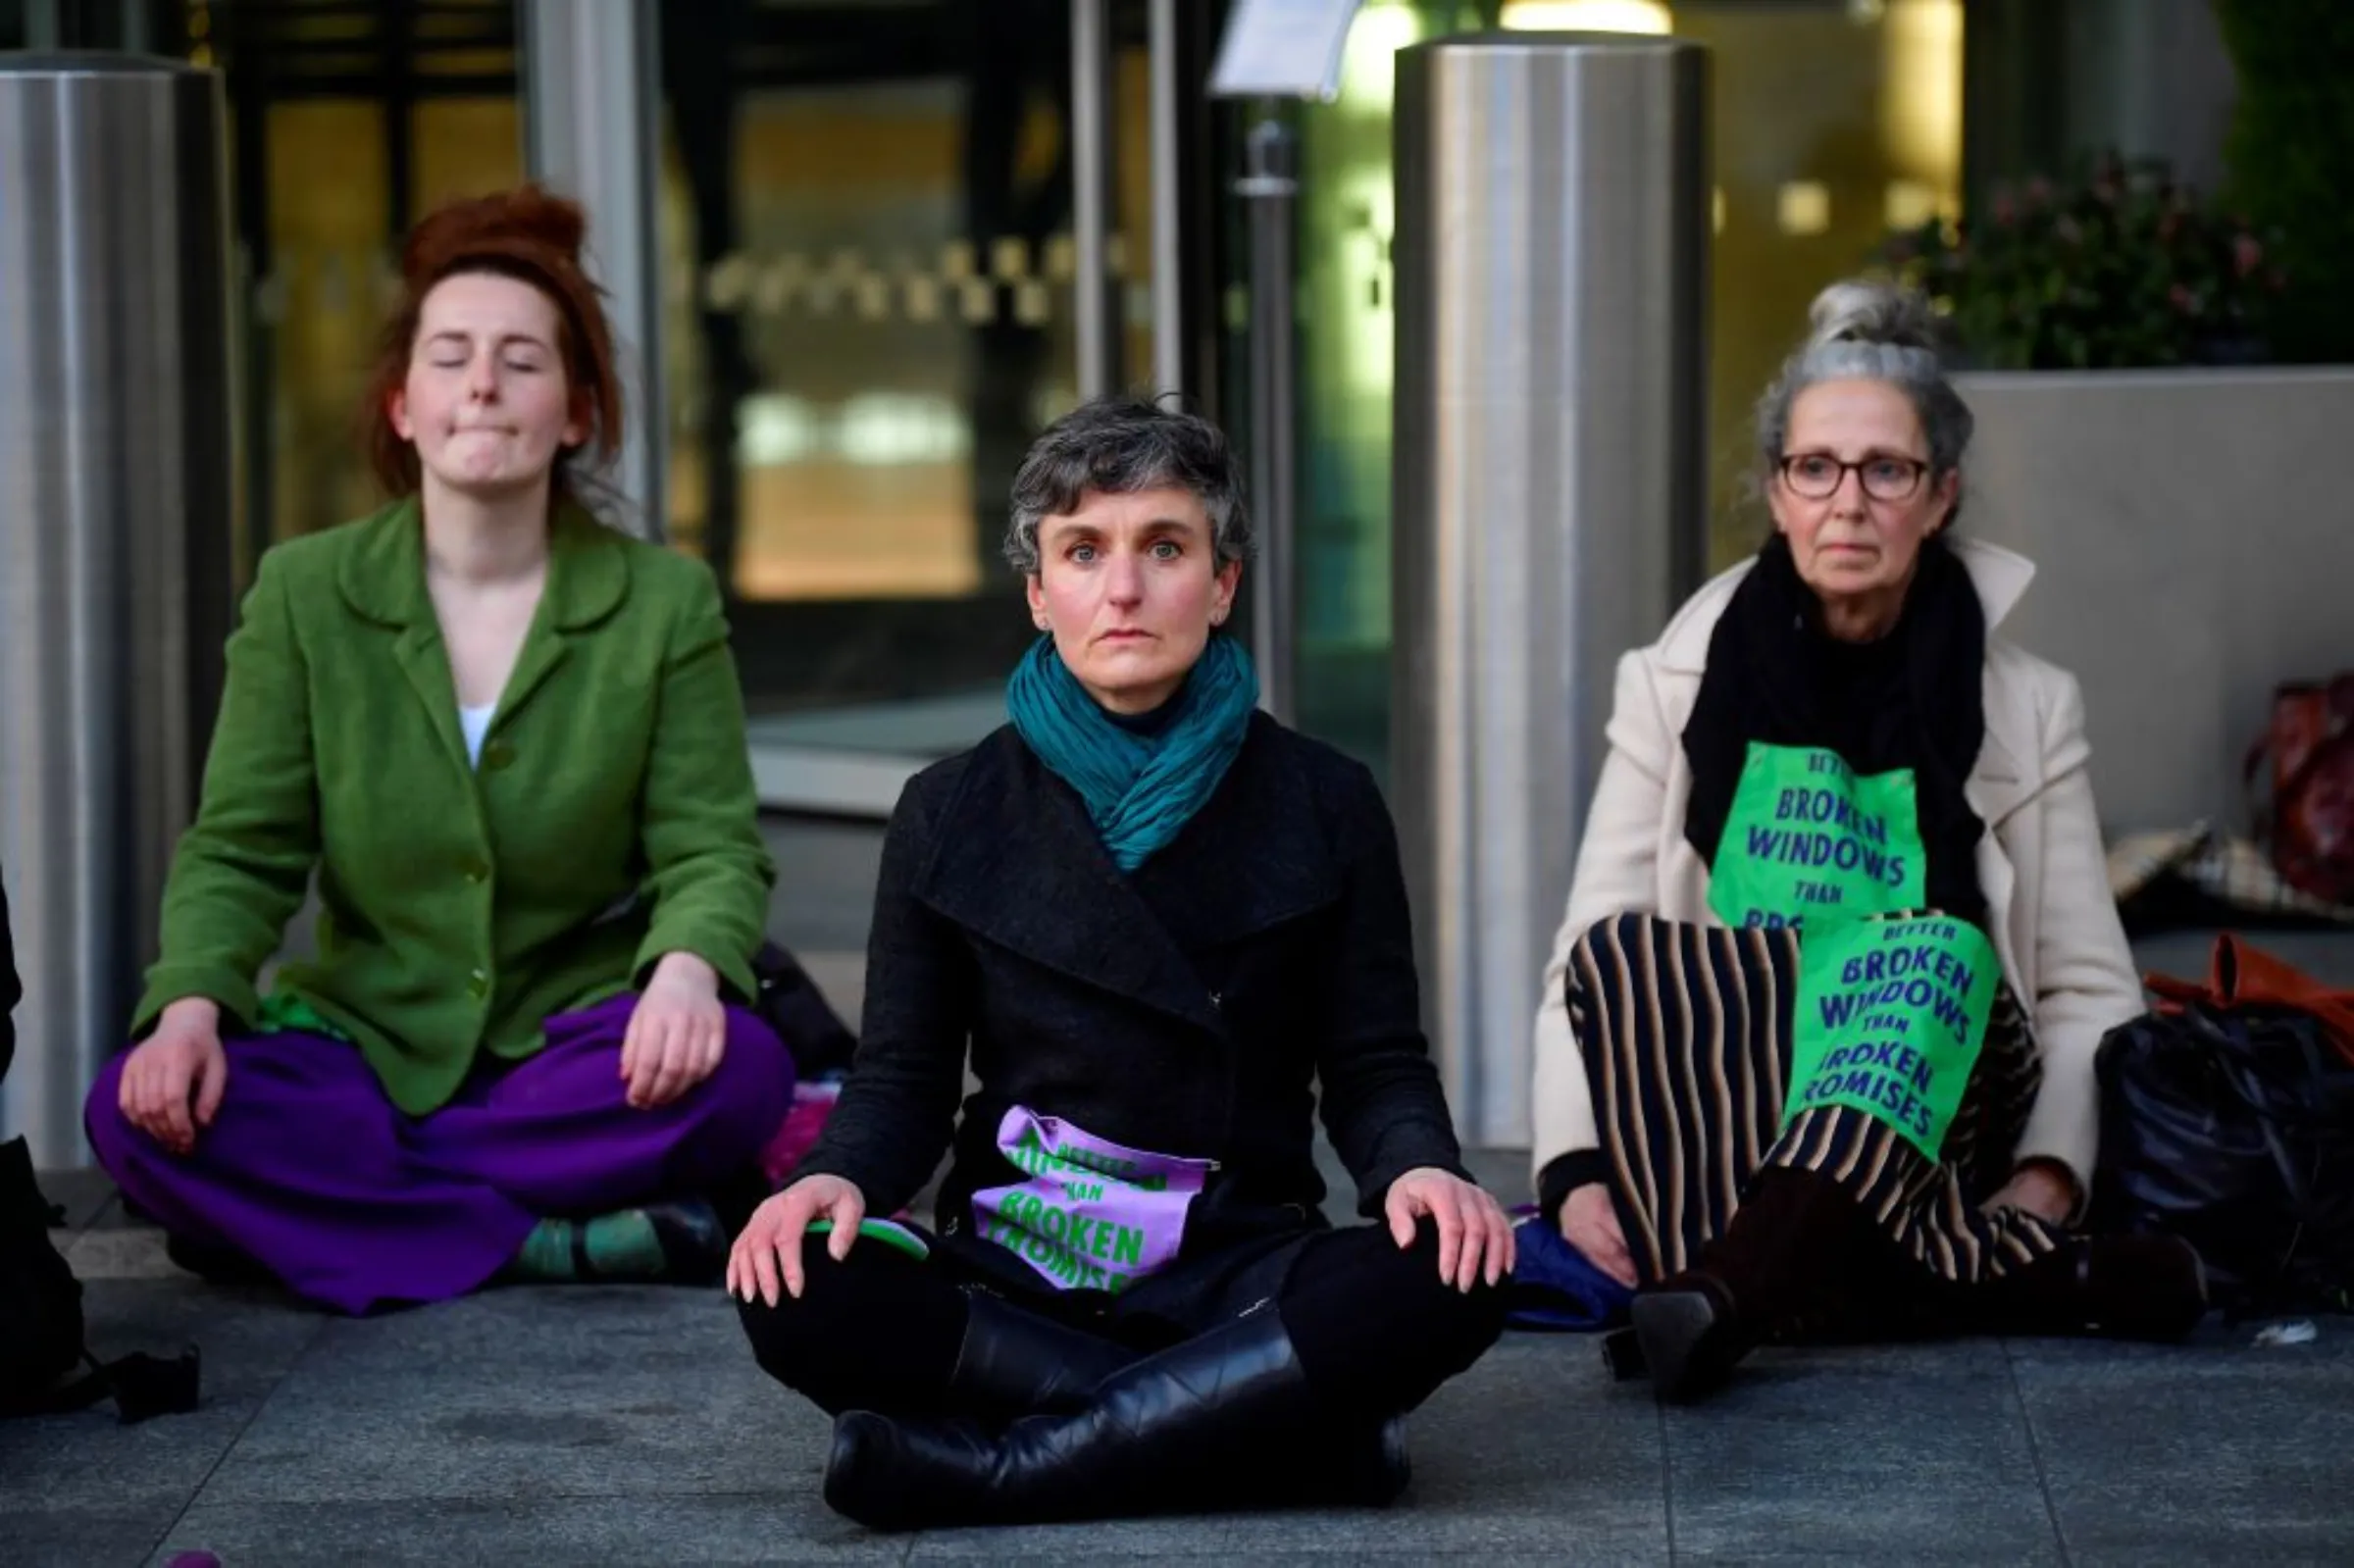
[
  {"x": 1164, "y": 924},
  {"x": 1814, "y": 1056},
  {"x": 510, "y": 741}
]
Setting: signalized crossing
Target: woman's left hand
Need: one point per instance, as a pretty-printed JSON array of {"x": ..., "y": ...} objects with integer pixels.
[
  {"x": 1474, "y": 1236},
  {"x": 2041, "y": 1188},
  {"x": 677, "y": 1032}
]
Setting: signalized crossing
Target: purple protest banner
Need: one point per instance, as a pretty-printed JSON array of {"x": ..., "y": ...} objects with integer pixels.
[{"x": 1094, "y": 1215}]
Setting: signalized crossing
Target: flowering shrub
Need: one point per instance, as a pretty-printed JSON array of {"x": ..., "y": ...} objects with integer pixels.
[{"x": 2125, "y": 267}]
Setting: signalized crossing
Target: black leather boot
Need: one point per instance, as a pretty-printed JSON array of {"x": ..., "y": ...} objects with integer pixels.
[
  {"x": 2119, "y": 1287},
  {"x": 1014, "y": 1363},
  {"x": 1788, "y": 1249},
  {"x": 1223, "y": 1420}
]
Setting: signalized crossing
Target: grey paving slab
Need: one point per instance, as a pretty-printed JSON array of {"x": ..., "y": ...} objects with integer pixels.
[
  {"x": 1895, "y": 1453},
  {"x": 81, "y": 1538},
  {"x": 2209, "y": 1453},
  {"x": 555, "y": 1392},
  {"x": 122, "y": 1253},
  {"x": 81, "y": 1194},
  {"x": 612, "y": 1424},
  {"x": 89, "y": 1463},
  {"x": 523, "y": 1332},
  {"x": 114, "y": 1214},
  {"x": 767, "y": 1528},
  {"x": 1205, "y": 1537},
  {"x": 1533, "y": 1450}
]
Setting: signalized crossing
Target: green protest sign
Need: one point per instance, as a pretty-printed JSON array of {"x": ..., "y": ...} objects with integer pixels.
[
  {"x": 1889, "y": 1019},
  {"x": 1809, "y": 842}
]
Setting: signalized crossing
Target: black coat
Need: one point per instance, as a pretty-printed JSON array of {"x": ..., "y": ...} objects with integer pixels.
[{"x": 1192, "y": 1007}]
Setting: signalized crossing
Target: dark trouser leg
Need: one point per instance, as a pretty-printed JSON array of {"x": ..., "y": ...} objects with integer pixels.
[
  {"x": 877, "y": 1331},
  {"x": 1015, "y": 1362},
  {"x": 884, "y": 1332},
  {"x": 1375, "y": 1328},
  {"x": 1244, "y": 1414}
]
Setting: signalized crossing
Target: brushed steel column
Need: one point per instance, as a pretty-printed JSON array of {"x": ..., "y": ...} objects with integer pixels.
[
  {"x": 118, "y": 488},
  {"x": 1551, "y": 468}
]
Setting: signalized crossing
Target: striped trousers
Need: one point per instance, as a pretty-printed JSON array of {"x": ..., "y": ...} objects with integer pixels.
[{"x": 1686, "y": 1031}]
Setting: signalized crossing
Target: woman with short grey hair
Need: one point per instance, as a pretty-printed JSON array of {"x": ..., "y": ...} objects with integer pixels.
[
  {"x": 1815, "y": 1045},
  {"x": 1166, "y": 926}
]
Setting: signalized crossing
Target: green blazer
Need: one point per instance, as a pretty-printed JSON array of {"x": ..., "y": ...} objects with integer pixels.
[{"x": 611, "y": 819}]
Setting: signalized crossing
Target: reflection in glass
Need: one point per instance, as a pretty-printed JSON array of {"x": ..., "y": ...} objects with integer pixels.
[
  {"x": 346, "y": 124},
  {"x": 866, "y": 227},
  {"x": 1830, "y": 120}
]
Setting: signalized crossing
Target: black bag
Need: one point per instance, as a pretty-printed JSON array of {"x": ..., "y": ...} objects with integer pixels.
[
  {"x": 790, "y": 1003},
  {"x": 2233, "y": 1129},
  {"x": 41, "y": 1324},
  {"x": 11, "y": 992},
  {"x": 40, "y": 1300}
]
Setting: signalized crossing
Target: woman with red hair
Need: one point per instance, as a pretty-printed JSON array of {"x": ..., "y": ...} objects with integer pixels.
[{"x": 509, "y": 741}]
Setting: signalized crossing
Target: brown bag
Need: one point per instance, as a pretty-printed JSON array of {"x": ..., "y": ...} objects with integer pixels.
[{"x": 2308, "y": 824}]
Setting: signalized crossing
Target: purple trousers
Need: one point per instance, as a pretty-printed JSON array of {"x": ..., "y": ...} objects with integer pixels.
[{"x": 313, "y": 1173}]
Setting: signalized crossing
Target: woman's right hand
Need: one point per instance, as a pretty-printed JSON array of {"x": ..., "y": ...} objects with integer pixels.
[
  {"x": 174, "y": 1080},
  {"x": 770, "y": 1247},
  {"x": 1590, "y": 1224}
]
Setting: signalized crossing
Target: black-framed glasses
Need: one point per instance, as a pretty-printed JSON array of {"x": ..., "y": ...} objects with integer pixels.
[{"x": 1818, "y": 476}]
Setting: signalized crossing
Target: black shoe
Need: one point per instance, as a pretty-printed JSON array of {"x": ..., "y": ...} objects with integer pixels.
[
  {"x": 1014, "y": 1363},
  {"x": 2118, "y": 1287},
  {"x": 1223, "y": 1420},
  {"x": 694, "y": 1244},
  {"x": 216, "y": 1263},
  {"x": 1691, "y": 1335},
  {"x": 1793, "y": 1250}
]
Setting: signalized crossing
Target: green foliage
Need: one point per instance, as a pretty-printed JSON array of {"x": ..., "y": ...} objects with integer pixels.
[
  {"x": 2291, "y": 156},
  {"x": 2122, "y": 267}
]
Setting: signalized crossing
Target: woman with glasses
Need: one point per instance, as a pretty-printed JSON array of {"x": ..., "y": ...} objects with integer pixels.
[{"x": 1814, "y": 1053}]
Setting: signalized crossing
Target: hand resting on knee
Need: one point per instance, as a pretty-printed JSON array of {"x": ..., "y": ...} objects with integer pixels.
[
  {"x": 768, "y": 1252},
  {"x": 173, "y": 1081},
  {"x": 1473, "y": 1230},
  {"x": 678, "y": 1032}
]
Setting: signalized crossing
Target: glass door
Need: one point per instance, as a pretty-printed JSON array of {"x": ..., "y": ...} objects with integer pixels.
[{"x": 874, "y": 258}]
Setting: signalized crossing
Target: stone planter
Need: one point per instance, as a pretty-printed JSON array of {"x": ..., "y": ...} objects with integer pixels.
[{"x": 2193, "y": 533}]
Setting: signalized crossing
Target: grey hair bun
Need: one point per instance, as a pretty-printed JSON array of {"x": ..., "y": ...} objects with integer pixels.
[
  {"x": 1860, "y": 311},
  {"x": 1867, "y": 329}
]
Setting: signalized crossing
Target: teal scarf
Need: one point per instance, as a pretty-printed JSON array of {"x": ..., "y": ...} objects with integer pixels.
[{"x": 1140, "y": 788}]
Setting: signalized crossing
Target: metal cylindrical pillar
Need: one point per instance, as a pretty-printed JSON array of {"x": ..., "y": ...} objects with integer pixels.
[
  {"x": 117, "y": 485},
  {"x": 1270, "y": 185},
  {"x": 1551, "y": 477},
  {"x": 593, "y": 130}
]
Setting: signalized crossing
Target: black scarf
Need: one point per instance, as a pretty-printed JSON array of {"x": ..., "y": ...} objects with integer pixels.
[{"x": 1913, "y": 699}]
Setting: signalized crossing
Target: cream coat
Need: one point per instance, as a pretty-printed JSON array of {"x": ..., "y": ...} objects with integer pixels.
[{"x": 2041, "y": 863}]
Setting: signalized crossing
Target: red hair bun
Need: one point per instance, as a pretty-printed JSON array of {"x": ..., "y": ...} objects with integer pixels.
[
  {"x": 527, "y": 218},
  {"x": 533, "y": 236}
]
